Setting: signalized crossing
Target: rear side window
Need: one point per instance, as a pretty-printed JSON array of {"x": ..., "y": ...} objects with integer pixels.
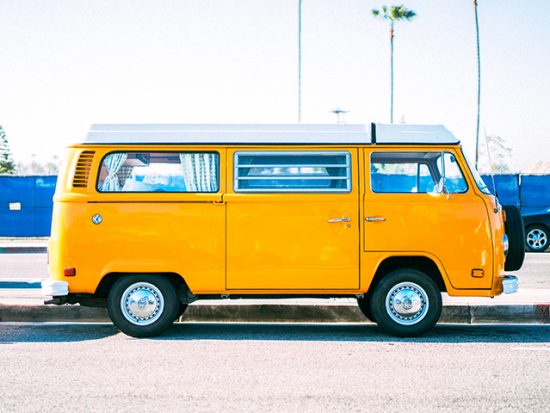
[
  {"x": 159, "y": 172},
  {"x": 304, "y": 171},
  {"x": 416, "y": 172}
]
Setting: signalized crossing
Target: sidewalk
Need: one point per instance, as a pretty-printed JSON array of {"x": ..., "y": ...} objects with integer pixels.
[{"x": 527, "y": 306}]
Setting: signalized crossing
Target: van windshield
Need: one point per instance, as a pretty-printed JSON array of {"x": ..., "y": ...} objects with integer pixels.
[{"x": 477, "y": 177}]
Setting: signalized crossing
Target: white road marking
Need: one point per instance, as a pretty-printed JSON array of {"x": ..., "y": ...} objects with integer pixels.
[{"x": 531, "y": 348}]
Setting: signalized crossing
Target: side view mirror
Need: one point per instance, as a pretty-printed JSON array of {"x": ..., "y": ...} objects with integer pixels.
[{"x": 440, "y": 189}]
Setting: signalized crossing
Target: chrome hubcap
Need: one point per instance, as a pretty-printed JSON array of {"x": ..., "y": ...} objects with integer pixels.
[
  {"x": 142, "y": 303},
  {"x": 407, "y": 303},
  {"x": 537, "y": 239}
]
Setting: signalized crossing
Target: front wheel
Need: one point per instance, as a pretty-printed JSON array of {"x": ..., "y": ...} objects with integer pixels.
[
  {"x": 406, "y": 303},
  {"x": 143, "y": 305},
  {"x": 364, "y": 306},
  {"x": 537, "y": 238}
]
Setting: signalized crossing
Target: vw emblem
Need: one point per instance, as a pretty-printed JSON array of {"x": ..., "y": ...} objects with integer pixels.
[{"x": 97, "y": 219}]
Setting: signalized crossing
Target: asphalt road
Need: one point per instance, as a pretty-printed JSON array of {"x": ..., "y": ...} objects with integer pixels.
[
  {"x": 535, "y": 272},
  {"x": 274, "y": 368}
]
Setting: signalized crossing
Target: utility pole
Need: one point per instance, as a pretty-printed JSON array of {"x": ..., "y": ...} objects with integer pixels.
[{"x": 299, "y": 61}]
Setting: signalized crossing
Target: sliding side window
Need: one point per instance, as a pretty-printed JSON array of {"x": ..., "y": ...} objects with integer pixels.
[{"x": 303, "y": 171}]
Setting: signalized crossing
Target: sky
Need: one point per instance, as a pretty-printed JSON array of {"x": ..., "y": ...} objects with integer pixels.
[{"x": 69, "y": 63}]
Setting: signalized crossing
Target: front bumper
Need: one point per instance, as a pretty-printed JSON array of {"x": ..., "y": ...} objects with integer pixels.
[
  {"x": 53, "y": 288},
  {"x": 510, "y": 284}
]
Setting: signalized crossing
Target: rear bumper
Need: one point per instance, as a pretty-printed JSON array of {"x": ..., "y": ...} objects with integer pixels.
[
  {"x": 510, "y": 284},
  {"x": 53, "y": 288}
]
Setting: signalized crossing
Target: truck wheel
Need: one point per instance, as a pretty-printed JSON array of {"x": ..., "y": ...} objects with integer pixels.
[
  {"x": 513, "y": 226},
  {"x": 143, "y": 305},
  {"x": 537, "y": 238},
  {"x": 406, "y": 303}
]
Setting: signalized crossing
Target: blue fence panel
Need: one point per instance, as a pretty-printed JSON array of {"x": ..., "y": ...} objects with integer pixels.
[
  {"x": 507, "y": 187},
  {"x": 42, "y": 222},
  {"x": 17, "y": 189},
  {"x": 44, "y": 188},
  {"x": 16, "y": 206},
  {"x": 535, "y": 193},
  {"x": 26, "y": 205},
  {"x": 16, "y": 223}
]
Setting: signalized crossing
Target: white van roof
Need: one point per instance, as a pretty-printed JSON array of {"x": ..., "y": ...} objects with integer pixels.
[{"x": 312, "y": 134}]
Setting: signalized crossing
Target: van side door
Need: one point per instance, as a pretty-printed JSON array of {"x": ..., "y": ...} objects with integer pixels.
[
  {"x": 419, "y": 202},
  {"x": 292, "y": 219}
]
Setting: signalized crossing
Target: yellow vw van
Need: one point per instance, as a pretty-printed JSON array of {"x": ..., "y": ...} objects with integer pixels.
[{"x": 149, "y": 218}]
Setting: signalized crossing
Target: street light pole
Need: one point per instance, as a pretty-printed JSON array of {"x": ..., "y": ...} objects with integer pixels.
[{"x": 339, "y": 115}]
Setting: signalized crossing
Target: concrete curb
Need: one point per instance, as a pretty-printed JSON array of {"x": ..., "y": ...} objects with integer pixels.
[
  {"x": 468, "y": 314},
  {"x": 31, "y": 249}
]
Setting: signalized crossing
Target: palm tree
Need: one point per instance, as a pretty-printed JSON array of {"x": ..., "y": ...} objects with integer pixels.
[
  {"x": 478, "y": 83},
  {"x": 393, "y": 14}
]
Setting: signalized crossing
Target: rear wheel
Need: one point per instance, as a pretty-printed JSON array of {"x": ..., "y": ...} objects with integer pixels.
[
  {"x": 406, "y": 303},
  {"x": 143, "y": 305},
  {"x": 537, "y": 238}
]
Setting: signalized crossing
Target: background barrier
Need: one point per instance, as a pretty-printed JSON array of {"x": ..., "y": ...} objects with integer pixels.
[
  {"x": 26, "y": 201},
  {"x": 534, "y": 193},
  {"x": 26, "y": 205},
  {"x": 530, "y": 193}
]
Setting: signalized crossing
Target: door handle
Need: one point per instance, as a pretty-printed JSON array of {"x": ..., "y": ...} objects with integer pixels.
[
  {"x": 336, "y": 220},
  {"x": 375, "y": 219}
]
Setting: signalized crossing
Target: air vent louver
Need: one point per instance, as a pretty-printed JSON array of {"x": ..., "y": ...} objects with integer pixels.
[{"x": 82, "y": 171}]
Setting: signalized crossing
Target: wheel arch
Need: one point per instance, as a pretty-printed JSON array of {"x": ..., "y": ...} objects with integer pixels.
[
  {"x": 417, "y": 262},
  {"x": 531, "y": 225},
  {"x": 108, "y": 280}
]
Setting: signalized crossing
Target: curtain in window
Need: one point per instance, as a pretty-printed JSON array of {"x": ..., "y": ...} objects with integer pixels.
[
  {"x": 200, "y": 171},
  {"x": 113, "y": 163}
]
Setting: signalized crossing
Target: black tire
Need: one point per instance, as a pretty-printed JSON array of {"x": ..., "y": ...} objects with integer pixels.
[
  {"x": 513, "y": 226},
  {"x": 154, "y": 311},
  {"x": 418, "y": 292},
  {"x": 537, "y": 238},
  {"x": 364, "y": 306}
]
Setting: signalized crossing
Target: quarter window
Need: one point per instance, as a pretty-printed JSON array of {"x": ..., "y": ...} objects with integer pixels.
[
  {"x": 292, "y": 172},
  {"x": 159, "y": 172}
]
